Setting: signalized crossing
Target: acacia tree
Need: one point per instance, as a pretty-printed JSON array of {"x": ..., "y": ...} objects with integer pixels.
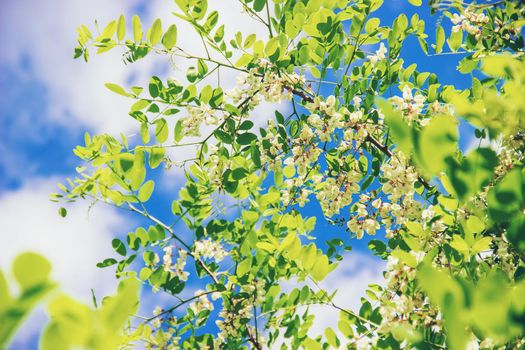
[{"x": 370, "y": 140}]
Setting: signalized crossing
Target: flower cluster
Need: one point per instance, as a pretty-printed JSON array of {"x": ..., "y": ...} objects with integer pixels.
[
  {"x": 336, "y": 193},
  {"x": 198, "y": 116},
  {"x": 232, "y": 318},
  {"x": 202, "y": 303},
  {"x": 216, "y": 165},
  {"x": 400, "y": 177},
  {"x": 470, "y": 22},
  {"x": 325, "y": 117},
  {"x": 273, "y": 156},
  {"x": 176, "y": 269},
  {"x": 159, "y": 336},
  {"x": 235, "y": 312},
  {"x": 263, "y": 83},
  {"x": 333, "y": 189},
  {"x": 401, "y": 302},
  {"x": 257, "y": 290},
  {"x": 208, "y": 249},
  {"x": 362, "y": 221},
  {"x": 411, "y": 105}
]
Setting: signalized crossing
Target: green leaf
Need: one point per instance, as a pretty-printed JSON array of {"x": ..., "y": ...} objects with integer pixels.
[
  {"x": 446, "y": 293},
  {"x": 119, "y": 246},
  {"x": 416, "y": 2},
  {"x": 4, "y": 293},
  {"x": 482, "y": 245},
  {"x": 144, "y": 133},
  {"x": 289, "y": 171},
  {"x": 516, "y": 232},
  {"x": 246, "y": 138},
  {"x": 169, "y": 40},
  {"x": 321, "y": 268},
  {"x": 137, "y": 29},
  {"x": 244, "y": 60},
  {"x": 118, "y": 89},
  {"x": 507, "y": 198},
  {"x": 310, "y": 344},
  {"x": 331, "y": 337},
  {"x": 106, "y": 263},
  {"x": 467, "y": 65},
  {"x": 156, "y": 156},
  {"x": 372, "y": 24},
  {"x": 155, "y": 33},
  {"x": 31, "y": 269},
  {"x": 138, "y": 170},
  {"x": 244, "y": 267},
  {"x": 401, "y": 133},
  {"x": 109, "y": 31},
  {"x": 460, "y": 245},
  {"x": 377, "y": 247},
  {"x": 405, "y": 257},
  {"x": 117, "y": 309},
  {"x": 146, "y": 190},
  {"x": 271, "y": 46},
  {"x": 161, "y": 130},
  {"x": 455, "y": 40},
  {"x": 440, "y": 39},
  {"x": 437, "y": 142},
  {"x": 223, "y": 136},
  {"x": 53, "y": 339},
  {"x": 62, "y": 212},
  {"x": 258, "y": 5},
  {"x": 121, "y": 28},
  {"x": 246, "y": 125},
  {"x": 474, "y": 225},
  {"x": 472, "y": 173}
]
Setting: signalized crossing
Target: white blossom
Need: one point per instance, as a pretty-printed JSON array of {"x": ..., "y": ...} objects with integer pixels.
[{"x": 379, "y": 55}]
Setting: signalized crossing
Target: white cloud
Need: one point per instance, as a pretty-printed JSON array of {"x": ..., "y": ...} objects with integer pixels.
[
  {"x": 351, "y": 279},
  {"x": 74, "y": 244},
  {"x": 43, "y": 33}
]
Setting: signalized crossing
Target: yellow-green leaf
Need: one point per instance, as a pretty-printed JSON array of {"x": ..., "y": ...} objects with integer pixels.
[
  {"x": 31, "y": 269},
  {"x": 137, "y": 29},
  {"x": 169, "y": 40},
  {"x": 121, "y": 27},
  {"x": 161, "y": 130},
  {"x": 155, "y": 33},
  {"x": 146, "y": 190},
  {"x": 118, "y": 89},
  {"x": 243, "y": 267}
]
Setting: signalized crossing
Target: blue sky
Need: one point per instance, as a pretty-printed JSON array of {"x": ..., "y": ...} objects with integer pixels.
[{"x": 47, "y": 102}]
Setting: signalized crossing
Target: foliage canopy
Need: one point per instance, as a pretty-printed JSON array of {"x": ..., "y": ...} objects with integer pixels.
[{"x": 370, "y": 140}]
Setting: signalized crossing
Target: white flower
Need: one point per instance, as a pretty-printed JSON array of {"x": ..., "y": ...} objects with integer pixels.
[
  {"x": 355, "y": 117},
  {"x": 357, "y": 101},
  {"x": 158, "y": 310},
  {"x": 202, "y": 303},
  {"x": 371, "y": 226},
  {"x": 315, "y": 121},
  {"x": 176, "y": 269},
  {"x": 379, "y": 55},
  {"x": 167, "y": 258},
  {"x": 209, "y": 249},
  {"x": 428, "y": 213}
]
